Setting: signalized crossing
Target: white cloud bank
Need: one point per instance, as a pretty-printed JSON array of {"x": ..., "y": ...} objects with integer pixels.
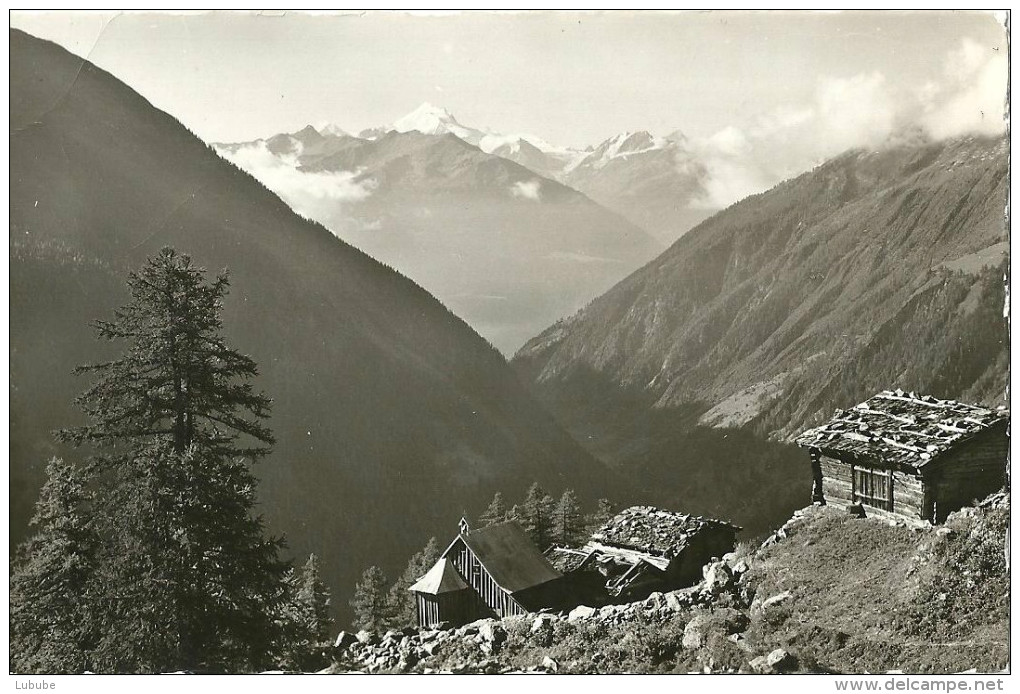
[
  {"x": 317, "y": 195},
  {"x": 530, "y": 190},
  {"x": 858, "y": 111}
]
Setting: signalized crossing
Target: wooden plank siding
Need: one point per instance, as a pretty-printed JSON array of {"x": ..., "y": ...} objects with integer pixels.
[
  {"x": 492, "y": 597},
  {"x": 839, "y": 488}
]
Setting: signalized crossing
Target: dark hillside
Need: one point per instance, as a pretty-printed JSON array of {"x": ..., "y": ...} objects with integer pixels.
[
  {"x": 392, "y": 417},
  {"x": 875, "y": 270}
]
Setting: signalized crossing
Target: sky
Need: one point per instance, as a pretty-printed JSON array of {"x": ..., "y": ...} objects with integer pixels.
[{"x": 809, "y": 81}]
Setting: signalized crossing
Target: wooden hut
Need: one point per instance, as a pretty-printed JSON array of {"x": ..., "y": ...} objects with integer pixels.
[
  {"x": 443, "y": 596},
  {"x": 493, "y": 572},
  {"x": 644, "y": 549},
  {"x": 907, "y": 455}
]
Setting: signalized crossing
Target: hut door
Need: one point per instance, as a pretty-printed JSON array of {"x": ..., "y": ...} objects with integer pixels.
[{"x": 874, "y": 487}]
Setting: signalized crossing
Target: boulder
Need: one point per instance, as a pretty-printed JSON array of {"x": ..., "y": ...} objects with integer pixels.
[
  {"x": 492, "y": 636},
  {"x": 723, "y": 621},
  {"x": 542, "y": 623},
  {"x": 366, "y": 637},
  {"x": 718, "y": 577},
  {"x": 655, "y": 601},
  {"x": 775, "y": 600},
  {"x": 550, "y": 664},
  {"x": 580, "y": 612},
  {"x": 780, "y": 661},
  {"x": 674, "y": 603},
  {"x": 777, "y": 661},
  {"x": 344, "y": 639}
]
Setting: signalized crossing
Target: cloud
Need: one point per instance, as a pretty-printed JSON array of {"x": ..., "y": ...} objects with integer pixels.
[
  {"x": 318, "y": 195},
  {"x": 972, "y": 98},
  {"x": 862, "y": 110},
  {"x": 531, "y": 190}
]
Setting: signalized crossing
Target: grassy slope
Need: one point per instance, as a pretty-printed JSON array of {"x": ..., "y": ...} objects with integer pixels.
[{"x": 870, "y": 597}]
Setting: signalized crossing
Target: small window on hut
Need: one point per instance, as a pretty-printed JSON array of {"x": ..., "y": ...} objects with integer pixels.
[{"x": 873, "y": 487}]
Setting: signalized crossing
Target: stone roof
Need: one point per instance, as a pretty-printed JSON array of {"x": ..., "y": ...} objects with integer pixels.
[
  {"x": 565, "y": 559},
  {"x": 901, "y": 429},
  {"x": 653, "y": 531}
]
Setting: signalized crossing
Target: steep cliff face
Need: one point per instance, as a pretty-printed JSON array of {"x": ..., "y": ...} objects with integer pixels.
[{"x": 392, "y": 416}]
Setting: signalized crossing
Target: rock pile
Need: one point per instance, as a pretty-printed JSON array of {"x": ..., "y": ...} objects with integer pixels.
[{"x": 476, "y": 647}]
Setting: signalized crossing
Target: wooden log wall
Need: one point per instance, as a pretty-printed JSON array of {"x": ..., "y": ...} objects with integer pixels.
[
  {"x": 838, "y": 487},
  {"x": 970, "y": 473}
]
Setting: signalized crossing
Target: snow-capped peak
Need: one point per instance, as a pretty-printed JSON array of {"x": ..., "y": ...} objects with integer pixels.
[
  {"x": 331, "y": 130},
  {"x": 430, "y": 120},
  {"x": 624, "y": 145}
]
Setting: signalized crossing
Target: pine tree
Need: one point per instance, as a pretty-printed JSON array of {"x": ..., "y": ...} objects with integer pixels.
[
  {"x": 186, "y": 578},
  {"x": 536, "y": 516},
  {"x": 371, "y": 611},
  {"x": 305, "y": 618},
  {"x": 178, "y": 378},
  {"x": 603, "y": 513},
  {"x": 495, "y": 513},
  {"x": 314, "y": 596},
  {"x": 401, "y": 603},
  {"x": 568, "y": 525},
  {"x": 48, "y": 627}
]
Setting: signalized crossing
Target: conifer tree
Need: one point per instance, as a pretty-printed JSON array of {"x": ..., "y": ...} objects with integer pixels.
[
  {"x": 371, "y": 609},
  {"x": 568, "y": 525},
  {"x": 603, "y": 513},
  {"x": 305, "y": 618},
  {"x": 52, "y": 569},
  {"x": 186, "y": 578},
  {"x": 178, "y": 378},
  {"x": 401, "y": 603},
  {"x": 495, "y": 513},
  {"x": 536, "y": 516}
]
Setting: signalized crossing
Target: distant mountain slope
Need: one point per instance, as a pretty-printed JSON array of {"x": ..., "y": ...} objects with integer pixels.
[
  {"x": 392, "y": 417},
  {"x": 505, "y": 248},
  {"x": 875, "y": 270},
  {"x": 657, "y": 183}
]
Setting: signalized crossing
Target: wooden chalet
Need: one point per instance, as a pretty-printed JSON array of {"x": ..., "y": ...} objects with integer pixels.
[
  {"x": 907, "y": 455},
  {"x": 645, "y": 549},
  {"x": 492, "y": 572}
]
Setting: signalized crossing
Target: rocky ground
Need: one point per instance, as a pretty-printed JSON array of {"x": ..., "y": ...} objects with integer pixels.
[{"x": 803, "y": 601}]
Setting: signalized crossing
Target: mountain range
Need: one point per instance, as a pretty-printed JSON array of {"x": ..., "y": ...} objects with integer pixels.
[
  {"x": 392, "y": 417},
  {"x": 505, "y": 248}
]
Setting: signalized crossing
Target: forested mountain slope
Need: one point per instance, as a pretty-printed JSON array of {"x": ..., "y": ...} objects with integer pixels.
[{"x": 878, "y": 269}]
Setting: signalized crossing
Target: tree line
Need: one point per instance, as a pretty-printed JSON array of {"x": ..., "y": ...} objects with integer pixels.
[
  {"x": 379, "y": 606},
  {"x": 147, "y": 555}
]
